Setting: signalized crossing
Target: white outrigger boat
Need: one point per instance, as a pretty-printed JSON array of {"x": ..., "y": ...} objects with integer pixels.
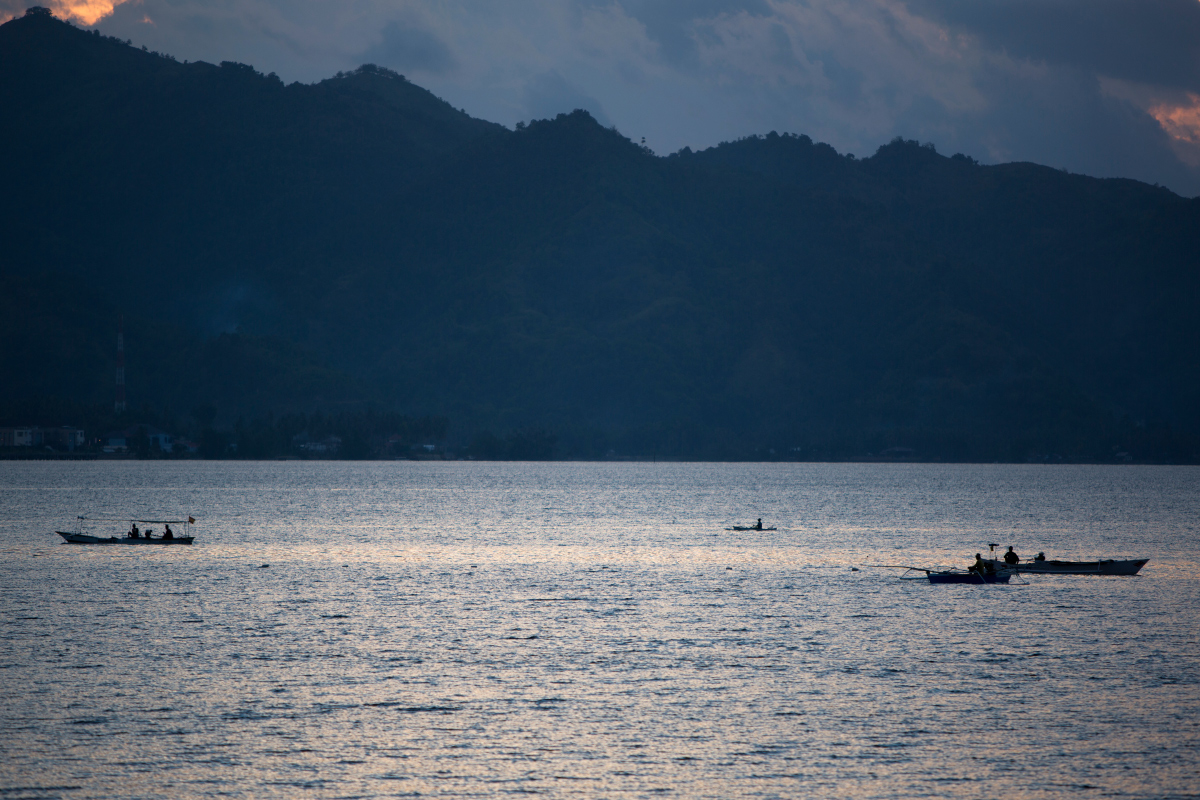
[
  {"x": 1105, "y": 566},
  {"x": 1041, "y": 565},
  {"x": 134, "y": 536}
]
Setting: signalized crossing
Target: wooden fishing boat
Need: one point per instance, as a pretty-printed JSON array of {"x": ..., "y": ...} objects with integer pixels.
[
  {"x": 78, "y": 536},
  {"x": 83, "y": 538},
  {"x": 1000, "y": 574}
]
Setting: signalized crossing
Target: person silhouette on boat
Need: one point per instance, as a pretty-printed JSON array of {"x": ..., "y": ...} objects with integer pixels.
[
  {"x": 758, "y": 526},
  {"x": 133, "y": 530},
  {"x": 978, "y": 566},
  {"x": 1011, "y": 558},
  {"x": 147, "y": 535},
  {"x": 167, "y": 533},
  {"x": 1040, "y": 557}
]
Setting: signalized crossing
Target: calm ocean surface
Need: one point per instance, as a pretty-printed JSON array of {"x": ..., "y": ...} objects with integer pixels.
[{"x": 361, "y": 630}]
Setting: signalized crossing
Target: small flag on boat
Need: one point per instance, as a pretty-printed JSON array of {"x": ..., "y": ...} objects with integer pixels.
[{"x": 191, "y": 520}]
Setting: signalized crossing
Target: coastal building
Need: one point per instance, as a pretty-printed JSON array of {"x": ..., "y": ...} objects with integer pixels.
[
  {"x": 16, "y": 437},
  {"x": 159, "y": 439},
  {"x": 139, "y": 438},
  {"x": 64, "y": 437}
]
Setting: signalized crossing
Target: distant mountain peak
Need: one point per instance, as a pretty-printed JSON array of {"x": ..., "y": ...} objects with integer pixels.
[{"x": 370, "y": 72}]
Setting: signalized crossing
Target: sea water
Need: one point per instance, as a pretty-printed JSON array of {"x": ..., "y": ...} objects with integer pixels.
[{"x": 594, "y": 630}]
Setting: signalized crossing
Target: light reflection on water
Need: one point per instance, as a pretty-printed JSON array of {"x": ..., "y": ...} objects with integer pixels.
[{"x": 372, "y": 630}]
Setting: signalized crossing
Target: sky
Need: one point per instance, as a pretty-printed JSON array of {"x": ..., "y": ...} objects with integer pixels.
[{"x": 1109, "y": 88}]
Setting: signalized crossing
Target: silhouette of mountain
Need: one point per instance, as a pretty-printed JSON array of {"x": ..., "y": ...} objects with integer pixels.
[{"x": 358, "y": 240}]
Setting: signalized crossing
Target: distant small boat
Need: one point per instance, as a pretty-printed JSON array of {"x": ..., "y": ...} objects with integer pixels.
[
  {"x": 758, "y": 526},
  {"x": 79, "y": 537}
]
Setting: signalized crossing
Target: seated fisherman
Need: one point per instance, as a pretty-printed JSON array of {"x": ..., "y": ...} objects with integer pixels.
[
  {"x": 167, "y": 533},
  {"x": 133, "y": 530},
  {"x": 1011, "y": 558}
]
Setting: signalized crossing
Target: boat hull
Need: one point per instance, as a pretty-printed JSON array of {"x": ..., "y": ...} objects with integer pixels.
[
  {"x": 1101, "y": 567},
  {"x": 83, "y": 538},
  {"x": 967, "y": 577}
]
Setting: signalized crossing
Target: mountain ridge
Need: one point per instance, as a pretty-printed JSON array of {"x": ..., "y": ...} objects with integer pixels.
[{"x": 362, "y": 241}]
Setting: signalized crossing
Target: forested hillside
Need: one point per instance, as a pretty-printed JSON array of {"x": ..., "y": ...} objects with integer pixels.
[{"x": 358, "y": 242}]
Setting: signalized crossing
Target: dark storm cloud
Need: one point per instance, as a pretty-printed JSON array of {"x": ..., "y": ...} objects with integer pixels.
[
  {"x": 410, "y": 48},
  {"x": 1149, "y": 41}
]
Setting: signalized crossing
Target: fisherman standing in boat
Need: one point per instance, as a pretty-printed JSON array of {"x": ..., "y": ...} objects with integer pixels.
[{"x": 1011, "y": 558}]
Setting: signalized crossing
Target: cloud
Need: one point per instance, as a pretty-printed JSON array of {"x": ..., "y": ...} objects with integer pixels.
[
  {"x": 1149, "y": 41},
  {"x": 857, "y": 72},
  {"x": 1180, "y": 121},
  {"x": 1178, "y": 115},
  {"x": 550, "y": 94},
  {"x": 845, "y": 69},
  {"x": 409, "y": 47},
  {"x": 1065, "y": 118},
  {"x": 1107, "y": 84},
  {"x": 86, "y": 12},
  {"x": 672, "y": 25}
]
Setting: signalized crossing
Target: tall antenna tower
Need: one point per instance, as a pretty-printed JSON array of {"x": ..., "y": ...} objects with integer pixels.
[{"x": 119, "y": 406}]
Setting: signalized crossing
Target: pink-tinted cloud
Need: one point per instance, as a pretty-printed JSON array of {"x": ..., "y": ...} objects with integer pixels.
[{"x": 1180, "y": 121}]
